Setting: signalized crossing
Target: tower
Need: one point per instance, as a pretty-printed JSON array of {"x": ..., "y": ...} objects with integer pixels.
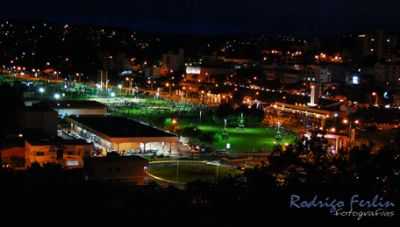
[{"x": 314, "y": 95}]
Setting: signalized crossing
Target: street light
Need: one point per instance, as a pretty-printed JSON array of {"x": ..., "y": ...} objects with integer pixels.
[
  {"x": 41, "y": 90},
  {"x": 170, "y": 87},
  {"x": 375, "y": 96},
  {"x": 57, "y": 96}
]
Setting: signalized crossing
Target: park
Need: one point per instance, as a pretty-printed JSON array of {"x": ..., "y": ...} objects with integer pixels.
[
  {"x": 240, "y": 132},
  {"x": 237, "y": 133}
]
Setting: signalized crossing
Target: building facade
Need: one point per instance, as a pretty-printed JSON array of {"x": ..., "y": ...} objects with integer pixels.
[
  {"x": 66, "y": 153},
  {"x": 115, "y": 134}
]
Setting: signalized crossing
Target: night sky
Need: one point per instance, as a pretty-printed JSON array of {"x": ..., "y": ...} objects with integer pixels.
[{"x": 218, "y": 16}]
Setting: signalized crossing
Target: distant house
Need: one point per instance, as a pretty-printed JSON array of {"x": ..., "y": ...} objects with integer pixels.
[
  {"x": 67, "y": 153},
  {"x": 115, "y": 168}
]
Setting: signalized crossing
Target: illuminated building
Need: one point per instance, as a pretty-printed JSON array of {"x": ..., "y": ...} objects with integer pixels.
[
  {"x": 379, "y": 44},
  {"x": 122, "y": 135},
  {"x": 67, "y": 153},
  {"x": 316, "y": 114}
]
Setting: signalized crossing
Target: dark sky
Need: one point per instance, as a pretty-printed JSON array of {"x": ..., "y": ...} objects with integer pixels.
[{"x": 202, "y": 16}]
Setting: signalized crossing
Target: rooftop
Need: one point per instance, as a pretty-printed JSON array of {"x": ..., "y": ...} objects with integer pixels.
[
  {"x": 39, "y": 108},
  {"x": 71, "y": 104},
  {"x": 120, "y": 127},
  {"x": 54, "y": 141}
]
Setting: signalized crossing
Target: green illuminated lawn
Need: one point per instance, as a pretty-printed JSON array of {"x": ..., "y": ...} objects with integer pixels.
[
  {"x": 242, "y": 140},
  {"x": 247, "y": 139}
]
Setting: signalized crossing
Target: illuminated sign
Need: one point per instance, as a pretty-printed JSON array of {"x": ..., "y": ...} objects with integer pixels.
[{"x": 193, "y": 70}]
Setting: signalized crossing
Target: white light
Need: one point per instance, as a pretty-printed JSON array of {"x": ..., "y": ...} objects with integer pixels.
[
  {"x": 193, "y": 70},
  {"x": 228, "y": 146},
  {"x": 120, "y": 86},
  {"x": 41, "y": 90},
  {"x": 355, "y": 80},
  {"x": 112, "y": 94},
  {"x": 57, "y": 96}
]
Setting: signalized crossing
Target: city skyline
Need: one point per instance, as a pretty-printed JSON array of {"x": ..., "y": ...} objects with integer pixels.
[{"x": 201, "y": 110}]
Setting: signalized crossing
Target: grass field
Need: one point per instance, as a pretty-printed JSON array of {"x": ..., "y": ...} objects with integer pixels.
[
  {"x": 246, "y": 139},
  {"x": 241, "y": 140},
  {"x": 184, "y": 172}
]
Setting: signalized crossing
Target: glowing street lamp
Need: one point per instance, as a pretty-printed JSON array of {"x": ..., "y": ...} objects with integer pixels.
[
  {"x": 375, "y": 97},
  {"x": 41, "y": 90},
  {"x": 57, "y": 96},
  {"x": 168, "y": 85},
  {"x": 112, "y": 94}
]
